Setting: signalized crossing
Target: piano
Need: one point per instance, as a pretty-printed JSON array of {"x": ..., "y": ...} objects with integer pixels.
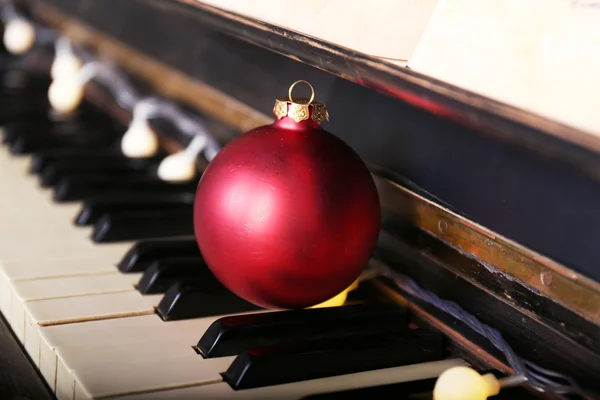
[{"x": 490, "y": 222}]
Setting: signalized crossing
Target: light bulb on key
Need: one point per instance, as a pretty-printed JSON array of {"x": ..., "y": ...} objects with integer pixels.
[
  {"x": 19, "y": 36},
  {"x": 65, "y": 65},
  {"x": 463, "y": 383},
  {"x": 139, "y": 140},
  {"x": 65, "y": 94},
  {"x": 339, "y": 299},
  {"x": 181, "y": 166}
]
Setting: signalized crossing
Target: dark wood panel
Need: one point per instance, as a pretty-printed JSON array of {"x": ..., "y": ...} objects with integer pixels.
[
  {"x": 19, "y": 378},
  {"x": 427, "y": 262}
]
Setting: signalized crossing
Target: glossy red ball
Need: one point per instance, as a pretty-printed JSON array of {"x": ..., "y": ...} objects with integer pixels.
[{"x": 287, "y": 215}]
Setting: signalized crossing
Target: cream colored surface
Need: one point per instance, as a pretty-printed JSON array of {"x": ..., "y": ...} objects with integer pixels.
[
  {"x": 300, "y": 389},
  {"x": 382, "y": 28},
  {"x": 539, "y": 55},
  {"x": 134, "y": 354}
]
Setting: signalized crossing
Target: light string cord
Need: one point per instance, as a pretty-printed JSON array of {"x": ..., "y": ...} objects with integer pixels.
[
  {"x": 149, "y": 107},
  {"x": 8, "y": 12},
  {"x": 63, "y": 46},
  {"x": 112, "y": 80},
  {"x": 539, "y": 378},
  {"x": 192, "y": 126},
  {"x": 122, "y": 91}
]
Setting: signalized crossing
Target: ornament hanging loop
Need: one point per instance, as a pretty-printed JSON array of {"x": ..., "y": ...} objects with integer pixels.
[
  {"x": 312, "y": 91},
  {"x": 300, "y": 109}
]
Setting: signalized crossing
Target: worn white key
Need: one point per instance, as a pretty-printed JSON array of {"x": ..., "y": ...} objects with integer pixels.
[
  {"x": 126, "y": 355},
  {"x": 77, "y": 310},
  {"x": 35, "y": 290},
  {"x": 32, "y": 268},
  {"x": 297, "y": 390}
]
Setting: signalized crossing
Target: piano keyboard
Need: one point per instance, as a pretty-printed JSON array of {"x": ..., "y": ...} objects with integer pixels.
[{"x": 102, "y": 282}]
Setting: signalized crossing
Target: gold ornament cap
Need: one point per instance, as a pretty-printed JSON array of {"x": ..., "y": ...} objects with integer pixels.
[{"x": 300, "y": 109}]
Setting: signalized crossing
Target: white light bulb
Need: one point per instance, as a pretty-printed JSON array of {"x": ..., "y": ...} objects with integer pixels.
[
  {"x": 181, "y": 166},
  {"x": 65, "y": 94},
  {"x": 139, "y": 140},
  {"x": 178, "y": 167},
  {"x": 19, "y": 36},
  {"x": 65, "y": 65}
]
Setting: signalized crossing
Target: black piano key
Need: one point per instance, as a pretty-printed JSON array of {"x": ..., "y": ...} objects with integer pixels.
[
  {"x": 41, "y": 159},
  {"x": 21, "y": 110},
  {"x": 74, "y": 134},
  {"x": 110, "y": 165},
  {"x": 201, "y": 298},
  {"x": 13, "y": 130},
  {"x": 18, "y": 81},
  {"x": 304, "y": 360},
  {"x": 81, "y": 187},
  {"x": 161, "y": 275},
  {"x": 27, "y": 144},
  {"x": 143, "y": 225},
  {"x": 93, "y": 209},
  {"x": 230, "y": 335},
  {"x": 144, "y": 253}
]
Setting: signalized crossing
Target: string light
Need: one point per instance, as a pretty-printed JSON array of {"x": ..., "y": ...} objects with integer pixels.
[
  {"x": 19, "y": 33},
  {"x": 181, "y": 166},
  {"x": 464, "y": 383},
  {"x": 140, "y": 140},
  {"x": 65, "y": 63},
  {"x": 66, "y": 92}
]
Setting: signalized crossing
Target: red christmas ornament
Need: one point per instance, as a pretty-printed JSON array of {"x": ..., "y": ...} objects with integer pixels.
[{"x": 287, "y": 215}]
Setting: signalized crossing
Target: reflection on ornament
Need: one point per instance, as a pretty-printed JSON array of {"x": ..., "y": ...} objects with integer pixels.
[
  {"x": 181, "y": 166},
  {"x": 287, "y": 215},
  {"x": 463, "y": 383},
  {"x": 65, "y": 65},
  {"x": 19, "y": 36},
  {"x": 65, "y": 94},
  {"x": 338, "y": 300},
  {"x": 139, "y": 140}
]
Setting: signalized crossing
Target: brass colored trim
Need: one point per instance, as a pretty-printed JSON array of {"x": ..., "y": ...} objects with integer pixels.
[
  {"x": 576, "y": 292},
  {"x": 571, "y": 290}
]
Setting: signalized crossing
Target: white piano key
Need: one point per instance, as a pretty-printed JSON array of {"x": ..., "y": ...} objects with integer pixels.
[
  {"x": 24, "y": 291},
  {"x": 50, "y": 288},
  {"x": 74, "y": 311},
  {"x": 127, "y": 355},
  {"x": 91, "y": 307},
  {"x": 37, "y": 268},
  {"x": 297, "y": 390},
  {"x": 62, "y": 248}
]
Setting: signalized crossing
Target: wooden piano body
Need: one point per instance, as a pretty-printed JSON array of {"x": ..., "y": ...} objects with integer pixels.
[{"x": 485, "y": 204}]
